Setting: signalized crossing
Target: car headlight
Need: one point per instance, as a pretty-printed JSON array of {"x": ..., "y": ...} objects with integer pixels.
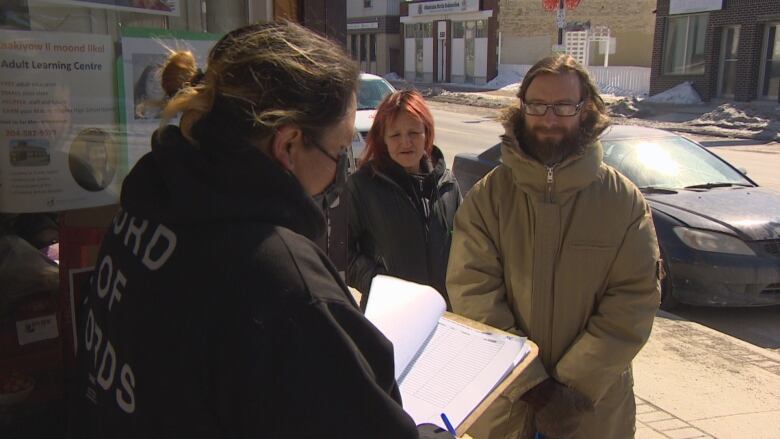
[{"x": 713, "y": 242}]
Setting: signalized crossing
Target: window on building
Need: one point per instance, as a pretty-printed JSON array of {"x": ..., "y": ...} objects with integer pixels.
[
  {"x": 363, "y": 50},
  {"x": 428, "y": 30},
  {"x": 353, "y": 46},
  {"x": 729, "y": 45},
  {"x": 372, "y": 48},
  {"x": 684, "y": 48},
  {"x": 366, "y": 3},
  {"x": 457, "y": 29},
  {"x": 409, "y": 31},
  {"x": 482, "y": 31}
]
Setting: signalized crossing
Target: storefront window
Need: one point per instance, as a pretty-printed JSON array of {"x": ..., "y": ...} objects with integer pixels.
[
  {"x": 353, "y": 46},
  {"x": 684, "y": 51},
  {"x": 80, "y": 95},
  {"x": 482, "y": 31},
  {"x": 70, "y": 93},
  {"x": 457, "y": 29},
  {"x": 428, "y": 30},
  {"x": 363, "y": 50}
]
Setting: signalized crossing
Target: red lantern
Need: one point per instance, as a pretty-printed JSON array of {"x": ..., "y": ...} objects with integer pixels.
[{"x": 552, "y": 5}]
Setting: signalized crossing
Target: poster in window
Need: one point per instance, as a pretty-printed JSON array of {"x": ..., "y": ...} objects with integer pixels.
[
  {"x": 143, "y": 53},
  {"x": 158, "y": 7},
  {"x": 58, "y": 134}
]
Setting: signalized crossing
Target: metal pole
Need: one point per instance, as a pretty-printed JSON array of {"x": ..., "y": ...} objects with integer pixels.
[{"x": 560, "y": 25}]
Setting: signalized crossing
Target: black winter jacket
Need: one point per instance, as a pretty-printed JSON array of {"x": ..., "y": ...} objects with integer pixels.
[
  {"x": 388, "y": 232},
  {"x": 211, "y": 313}
]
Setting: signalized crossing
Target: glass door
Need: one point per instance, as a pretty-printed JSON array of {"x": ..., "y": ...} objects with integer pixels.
[
  {"x": 769, "y": 76},
  {"x": 468, "y": 43},
  {"x": 727, "y": 77},
  {"x": 419, "y": 57}
]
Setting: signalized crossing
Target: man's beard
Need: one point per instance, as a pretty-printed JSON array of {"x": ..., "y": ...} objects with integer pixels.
[{"x": 552, "y": 152}]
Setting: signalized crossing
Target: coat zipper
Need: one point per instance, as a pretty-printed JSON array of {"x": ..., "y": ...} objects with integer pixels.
[{"x": 550, "y": 182}]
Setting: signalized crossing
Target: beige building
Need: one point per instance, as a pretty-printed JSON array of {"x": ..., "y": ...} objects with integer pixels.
[
  {"x": 623, "y": 28},
  {"x": 373, "y": 35}
]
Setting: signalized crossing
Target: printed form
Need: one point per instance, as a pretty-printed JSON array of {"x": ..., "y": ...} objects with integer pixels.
[{"x": 442, "y": 366}]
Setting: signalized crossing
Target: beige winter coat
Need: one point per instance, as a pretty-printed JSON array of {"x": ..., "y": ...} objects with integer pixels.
[{"x": 567, "y": 257}]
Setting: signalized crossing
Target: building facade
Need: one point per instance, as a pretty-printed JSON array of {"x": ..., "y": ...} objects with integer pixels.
[
  {"x": 728, "y": 49},
  {"x": 450, "y": 40},
  {"x": 599, "y": 32},
  {"x": 373, "y": 35}
]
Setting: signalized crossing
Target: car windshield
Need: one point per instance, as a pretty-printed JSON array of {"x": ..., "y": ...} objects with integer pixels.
[
  {"x": 669, "y": 162},
  {"x": 371, "y": 92}
]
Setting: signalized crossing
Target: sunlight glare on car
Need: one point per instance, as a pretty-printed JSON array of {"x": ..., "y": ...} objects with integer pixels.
[{"x": 654, "y": 157}]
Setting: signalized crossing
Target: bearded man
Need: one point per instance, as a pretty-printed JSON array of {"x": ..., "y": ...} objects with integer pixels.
[{"x": 557, "y": 246}]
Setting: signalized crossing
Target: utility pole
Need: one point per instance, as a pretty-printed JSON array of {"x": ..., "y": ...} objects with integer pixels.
[{"x": 561, "y": 20}]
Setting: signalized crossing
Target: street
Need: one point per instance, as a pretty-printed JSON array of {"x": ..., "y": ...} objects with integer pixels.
[{"x": 462, "y": 129}]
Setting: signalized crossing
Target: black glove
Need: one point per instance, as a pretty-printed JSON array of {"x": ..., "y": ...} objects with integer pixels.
[
  {"x": 558, "y": 409},
  {"x": 431, "y": 431}
]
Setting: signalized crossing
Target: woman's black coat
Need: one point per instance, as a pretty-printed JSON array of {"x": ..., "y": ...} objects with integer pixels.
[{"x": 388, "y": 233}]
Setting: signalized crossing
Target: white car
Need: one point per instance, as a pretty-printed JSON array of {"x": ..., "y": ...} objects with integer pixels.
[{"x": 371, "y": 91}]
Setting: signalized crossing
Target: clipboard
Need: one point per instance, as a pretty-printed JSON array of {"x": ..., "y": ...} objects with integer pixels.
[
  {"x": 445, "y": 363},
  {"x": 480, "y": 409}
]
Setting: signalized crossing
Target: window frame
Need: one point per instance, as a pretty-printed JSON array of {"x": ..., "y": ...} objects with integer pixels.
[
  {"x": 372, "y": 47},
  {"x": 667, "y": 66}
]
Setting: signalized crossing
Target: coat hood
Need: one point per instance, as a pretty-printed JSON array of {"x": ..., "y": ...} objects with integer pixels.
[
  {"x": 179, "y": 183},
  {"x": 570, "y": 176}
]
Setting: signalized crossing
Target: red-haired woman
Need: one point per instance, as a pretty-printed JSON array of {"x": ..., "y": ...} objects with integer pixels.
[{"x": 403, "y": 199}]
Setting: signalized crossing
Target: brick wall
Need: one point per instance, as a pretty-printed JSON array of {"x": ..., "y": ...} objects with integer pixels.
[
  {"x": 527, "y": 18},
  {"x": 523, "y": 22},
  {"x": 751, "y": 16}
]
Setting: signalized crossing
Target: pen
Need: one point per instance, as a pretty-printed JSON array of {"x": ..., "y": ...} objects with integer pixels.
[{"x": 448, "y": 425}]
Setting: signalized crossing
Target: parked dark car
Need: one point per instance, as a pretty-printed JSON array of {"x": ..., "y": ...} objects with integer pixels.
[{"x": 719, "y": 232}]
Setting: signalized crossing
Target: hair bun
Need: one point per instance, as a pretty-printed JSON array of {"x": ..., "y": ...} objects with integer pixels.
[{"x": 180, "y": 69}]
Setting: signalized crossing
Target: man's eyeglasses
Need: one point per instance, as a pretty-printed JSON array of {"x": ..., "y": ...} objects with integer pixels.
[{"x": 561, "y": 109}]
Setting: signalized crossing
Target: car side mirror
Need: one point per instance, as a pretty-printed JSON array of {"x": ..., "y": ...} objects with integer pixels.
[{"x": 742, "y": 171}]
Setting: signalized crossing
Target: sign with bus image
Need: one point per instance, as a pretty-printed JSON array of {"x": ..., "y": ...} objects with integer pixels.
[
  {"x": 29, "y": 152},
  {"x": 58, "y": 122}
]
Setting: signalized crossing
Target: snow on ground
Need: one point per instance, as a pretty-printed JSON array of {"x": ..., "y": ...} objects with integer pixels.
[
  {"x": 741, "y": 117},
  {"x": 679, "y": 108},
  {"x": 682, "y": 94},
  {"x": 506, "y": 81}
]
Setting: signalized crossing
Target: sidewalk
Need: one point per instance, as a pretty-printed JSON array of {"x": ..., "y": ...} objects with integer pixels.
[{"x": 694, "y": 382}]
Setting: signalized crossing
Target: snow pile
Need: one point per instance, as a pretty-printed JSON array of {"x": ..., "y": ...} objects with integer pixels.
[
  {"x": 680, "y": 94},
  {"x": 607, "y": 89},
  {"x": 735, "y": 116},
  {"x": 624, "y": 107},
  {"x": 393, "y": 76},
  {"x": 506, "y": 81}
]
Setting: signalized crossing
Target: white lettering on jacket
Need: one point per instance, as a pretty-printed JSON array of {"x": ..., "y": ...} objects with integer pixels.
[
  {"x": 106, "y": 374},
  {"x": 156, "y": 250}
]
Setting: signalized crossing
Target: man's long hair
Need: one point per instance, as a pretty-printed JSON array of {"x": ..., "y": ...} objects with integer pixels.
[{"x": 597, "y": 119}]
